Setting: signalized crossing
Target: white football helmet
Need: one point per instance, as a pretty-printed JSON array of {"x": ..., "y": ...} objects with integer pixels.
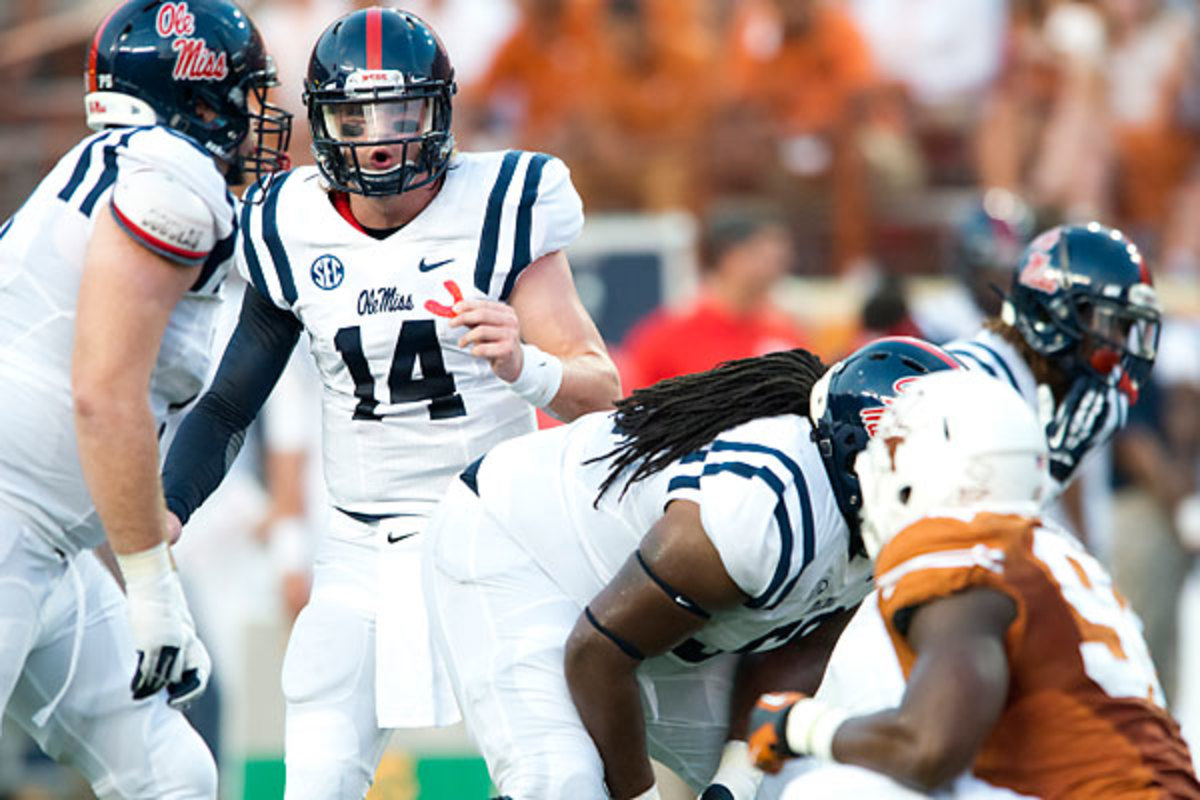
[{"x": 955, "y": 441}]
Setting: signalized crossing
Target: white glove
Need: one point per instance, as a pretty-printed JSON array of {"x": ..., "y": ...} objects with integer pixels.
[
  {"x": 737, "y": 778},
  {"x": 169, "y": 653}
]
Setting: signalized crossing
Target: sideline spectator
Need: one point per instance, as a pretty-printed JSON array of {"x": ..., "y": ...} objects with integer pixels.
[
  {"x": 745, "y": 254},
  {"x": 800, "y": 73}
]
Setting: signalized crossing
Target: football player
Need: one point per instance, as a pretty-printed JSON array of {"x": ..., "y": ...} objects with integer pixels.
[
  {"x": 109, "y": 277},
  {"x": 1026, "y": 669},
  {"x": 440, "y": 310},
  {"x": 1076, "y": 336},
  {"x": 592, "y": 586}
]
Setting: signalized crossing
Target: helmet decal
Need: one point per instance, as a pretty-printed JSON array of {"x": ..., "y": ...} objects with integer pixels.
[{"x": 190, "y": 65}]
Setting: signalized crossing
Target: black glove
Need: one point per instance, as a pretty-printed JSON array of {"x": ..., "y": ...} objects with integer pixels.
[{"x": 1086, "y": 418}]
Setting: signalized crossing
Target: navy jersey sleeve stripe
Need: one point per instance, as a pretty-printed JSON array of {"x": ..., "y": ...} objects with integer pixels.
[
  {"x": 223, "y": 250},
  {"x": 684, "y": 482},
  {"x": 270, "y": 234},
  {"x": 782, "y": 521},
  {"x": 81, "y": 168},
  {"x": 248, "y": 251},
  {"x": 961, "y": 353},
  {"x": 108, "y": 176},
  {"x": 489, "y": 239},
  {"x": 523, "y": 240},
  {"x": 808, "y": 526},
  {"x": 219, "y": 255},
  {"x": 1012, "y": 379},
  {"x": 4, "y": 228}
]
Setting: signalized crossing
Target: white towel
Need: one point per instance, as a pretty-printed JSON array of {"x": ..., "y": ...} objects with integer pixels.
[{"x": 412, "y": 689}]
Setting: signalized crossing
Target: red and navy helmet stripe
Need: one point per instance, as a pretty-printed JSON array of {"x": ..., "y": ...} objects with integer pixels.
[
  {"x": 93, "y": 52},
  {"x": 375, "y": 38},
  {"x": 921, "y": 344}
]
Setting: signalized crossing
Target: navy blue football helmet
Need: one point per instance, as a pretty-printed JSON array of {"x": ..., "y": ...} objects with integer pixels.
[
  {"x": 378, "y": 95},
  {"x": 847, "y": 402},
  {"x": 1082, "y": 297},
  {"x": 986, "y": 243},
  {"x": 190, "y": 65}
]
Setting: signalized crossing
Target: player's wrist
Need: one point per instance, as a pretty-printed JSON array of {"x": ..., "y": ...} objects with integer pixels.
[
  {"x": 146, "y": 568},
  {"x": 811, "y": 726},
  {"x": 540, "y": 378}
]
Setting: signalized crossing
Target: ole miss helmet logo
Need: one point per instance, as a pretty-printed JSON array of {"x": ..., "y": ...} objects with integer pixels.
[
  {"x": 193, "y": 60},
  {"x": 870, "y": 416}
]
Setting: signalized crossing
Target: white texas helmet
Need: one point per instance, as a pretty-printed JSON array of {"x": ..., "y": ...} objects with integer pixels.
[{"x": 954, "y": 441}]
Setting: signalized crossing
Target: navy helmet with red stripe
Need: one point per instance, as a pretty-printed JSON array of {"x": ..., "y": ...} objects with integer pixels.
[
  {"x": 847, "y": 402},
  {"x": 378, "y": 95},
  {"x": 1082, "y": 297},
  {"x": 190, "y": 65}
]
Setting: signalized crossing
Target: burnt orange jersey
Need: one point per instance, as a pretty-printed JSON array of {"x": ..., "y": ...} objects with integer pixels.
[{"x": 1084, "y": 715}]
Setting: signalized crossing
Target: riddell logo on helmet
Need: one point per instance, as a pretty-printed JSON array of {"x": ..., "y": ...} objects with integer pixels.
[{"x": 870, "y": 416}]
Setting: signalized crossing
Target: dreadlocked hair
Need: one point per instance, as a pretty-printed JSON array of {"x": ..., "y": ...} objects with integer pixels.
[{"x": 664, "y": 422}]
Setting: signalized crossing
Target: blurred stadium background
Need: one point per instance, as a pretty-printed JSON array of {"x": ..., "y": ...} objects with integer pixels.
[{"x": 899, "y": 145}]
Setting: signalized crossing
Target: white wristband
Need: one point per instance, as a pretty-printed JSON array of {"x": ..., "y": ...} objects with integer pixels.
[
  {"x": 541, "y": 376},
  {"x": 650, "y": 794},
  {"x": 811, "y": 725},
  {"x": 145, "y": 566},
  {"x": 736, "y": 772}
]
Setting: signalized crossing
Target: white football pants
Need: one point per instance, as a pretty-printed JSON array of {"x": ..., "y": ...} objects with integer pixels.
[
  {"x": 66, "y": 660},
  {"x": 346, "y": 687},
  {"x": 501, "y": 625}
]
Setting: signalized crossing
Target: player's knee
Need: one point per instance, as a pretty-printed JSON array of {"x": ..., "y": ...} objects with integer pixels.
[
  {"x": 554, "y": 775},
  {"x": 326, "y": 655},
  {"x": 327, "y": 780},
  {"x": 184, "y": 768}
]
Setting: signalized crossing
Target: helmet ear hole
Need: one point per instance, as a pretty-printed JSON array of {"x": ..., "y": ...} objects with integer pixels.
[{"x": 904, "y": 494}]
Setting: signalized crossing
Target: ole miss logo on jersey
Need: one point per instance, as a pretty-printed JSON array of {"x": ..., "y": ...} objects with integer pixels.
[{"x": 193, "y": 60}]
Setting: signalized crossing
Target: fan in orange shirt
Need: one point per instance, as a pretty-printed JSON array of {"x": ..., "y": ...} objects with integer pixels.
[
  {"x": 1027, "y": 672},
  {"x": 744, "y": 257}
]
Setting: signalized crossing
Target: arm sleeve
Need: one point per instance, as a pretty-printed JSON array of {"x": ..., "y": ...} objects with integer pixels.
[{"x": 210, "y": 437}]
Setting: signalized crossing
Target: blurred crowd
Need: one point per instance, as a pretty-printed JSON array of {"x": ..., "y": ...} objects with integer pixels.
[
  {"x": 869, "y": 141},
  {"x": 863, "y": 121}
]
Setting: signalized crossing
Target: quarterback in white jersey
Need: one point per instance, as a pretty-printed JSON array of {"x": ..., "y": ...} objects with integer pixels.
[
  {"x": 1077, "y": 335},
  {"x": 440, "y": 312},
  {"x": 592, "y": 586},
  {"x": 109, "y": 278}
]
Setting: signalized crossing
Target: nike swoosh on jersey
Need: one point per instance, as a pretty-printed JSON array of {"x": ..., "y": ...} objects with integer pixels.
[
  {"x": 425, "y": 266},
  {"x": 393, "y": 538}
]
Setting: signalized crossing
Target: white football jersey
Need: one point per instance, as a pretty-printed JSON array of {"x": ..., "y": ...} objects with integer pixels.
[
  {"x": 42, "y": 250},
  {"x": 404, "y": 407},
  {"x": 765, "y": 503},
  {"x": 988, "y": 352}
]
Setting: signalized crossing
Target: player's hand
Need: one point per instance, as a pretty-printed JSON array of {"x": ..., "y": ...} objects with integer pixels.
[
  {"x": 768, "y": 730},
  {"x": 495, "y": 334},
  {"x": 169, "y": 653},
  {"x": 1088, "y": 416},
  {"x": 736, "y": 778}
]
